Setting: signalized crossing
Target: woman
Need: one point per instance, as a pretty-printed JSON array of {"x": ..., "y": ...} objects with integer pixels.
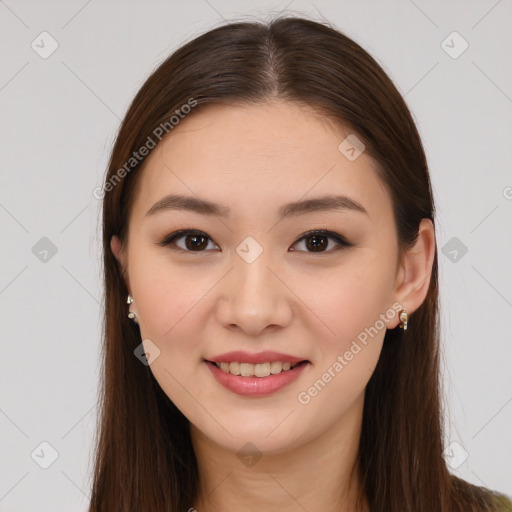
[{"x": 271, "y": 319}]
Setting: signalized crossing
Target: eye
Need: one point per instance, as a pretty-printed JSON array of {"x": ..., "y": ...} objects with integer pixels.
[
  {"x": 197, "y": 241},
  {"x": 318, "y": 240}
]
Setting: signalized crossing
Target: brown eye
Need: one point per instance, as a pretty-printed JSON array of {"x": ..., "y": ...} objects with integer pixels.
[
  {"x": 318, "y": 241},
  {"x": 194, "y": 241}
]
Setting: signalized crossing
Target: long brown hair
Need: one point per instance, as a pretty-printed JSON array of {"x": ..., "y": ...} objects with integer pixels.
[{"x": 144, "y": 459}]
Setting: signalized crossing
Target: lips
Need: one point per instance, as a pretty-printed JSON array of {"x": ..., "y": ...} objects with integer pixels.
[
  {"x": 253, "y": 386},
  {"x": 257, "y": 374}
]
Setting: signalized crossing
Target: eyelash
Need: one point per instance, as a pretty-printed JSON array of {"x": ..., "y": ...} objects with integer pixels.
[{"x": 170, "y": 239}]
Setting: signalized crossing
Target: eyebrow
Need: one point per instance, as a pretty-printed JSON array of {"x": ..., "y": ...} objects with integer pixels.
[{"x": 293, "y": 209}]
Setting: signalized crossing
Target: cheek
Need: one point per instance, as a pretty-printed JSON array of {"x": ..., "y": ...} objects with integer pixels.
[
  {"x": 353, "y": 330},
  {"x": 348, "y": 301},
  {"x": 166, "y": 295}
]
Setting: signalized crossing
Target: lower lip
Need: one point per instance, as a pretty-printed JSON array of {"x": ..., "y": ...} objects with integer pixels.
[{"x": 255, "y": 386}]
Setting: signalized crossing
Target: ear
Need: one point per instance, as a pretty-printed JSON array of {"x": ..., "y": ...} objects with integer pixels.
[
  {"x": 413, "y": 277},
  {"x": 119, "y": 252}
]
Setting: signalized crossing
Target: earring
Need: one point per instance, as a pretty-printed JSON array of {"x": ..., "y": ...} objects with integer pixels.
[
  {"x": 404, "y": 317},
  {"x": 131, "y": 314}
]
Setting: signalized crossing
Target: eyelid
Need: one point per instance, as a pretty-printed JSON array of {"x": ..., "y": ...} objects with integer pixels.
[{"x": 341, "y": 240}]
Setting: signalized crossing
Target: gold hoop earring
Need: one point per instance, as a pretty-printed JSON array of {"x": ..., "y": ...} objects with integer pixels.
[{"x": 404, "y": 317}]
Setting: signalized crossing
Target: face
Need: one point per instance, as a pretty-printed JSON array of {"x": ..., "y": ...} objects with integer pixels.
[{"x": 249, "y": 278}]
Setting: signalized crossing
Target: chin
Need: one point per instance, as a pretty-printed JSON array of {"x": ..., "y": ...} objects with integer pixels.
[{"x": 263, "y": 440}]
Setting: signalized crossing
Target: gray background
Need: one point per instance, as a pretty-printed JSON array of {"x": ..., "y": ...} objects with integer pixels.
[{"x": 59, "y": 116}]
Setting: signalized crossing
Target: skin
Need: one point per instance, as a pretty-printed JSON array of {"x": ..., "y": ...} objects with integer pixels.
[{"x": 195, "y": 305}]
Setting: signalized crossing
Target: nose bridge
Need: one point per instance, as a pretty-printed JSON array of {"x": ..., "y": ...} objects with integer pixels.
[
  {"x": 254, "y": 297},
  {"x": 252, "y": 262},
  {"x": 254, "y": 278}
]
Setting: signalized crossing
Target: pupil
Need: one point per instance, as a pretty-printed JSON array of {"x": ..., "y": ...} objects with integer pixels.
[
  {"x": 194, "y": 245},
  {"x": 316, "y": 244}
]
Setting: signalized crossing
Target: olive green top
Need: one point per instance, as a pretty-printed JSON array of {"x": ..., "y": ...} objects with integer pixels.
[{"x": 503, "y": 503}]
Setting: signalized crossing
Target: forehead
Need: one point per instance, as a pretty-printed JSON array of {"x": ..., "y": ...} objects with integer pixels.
[{"x": 245, "y": 156}]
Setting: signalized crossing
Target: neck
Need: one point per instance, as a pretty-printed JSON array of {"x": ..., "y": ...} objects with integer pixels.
[{"x": 319, "y": 475}]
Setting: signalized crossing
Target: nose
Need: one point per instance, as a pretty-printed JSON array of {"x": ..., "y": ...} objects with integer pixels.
[{"x": 254, "y": 297}]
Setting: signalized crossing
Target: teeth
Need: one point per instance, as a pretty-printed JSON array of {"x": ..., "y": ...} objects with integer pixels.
[
  {"x": 246, "y": 370},
  {"x": 234, "y": 368},
  {"x": 262, "y": 370},
  {"x": 276, "y": 367},
  {"x": 256, "y": 370}
]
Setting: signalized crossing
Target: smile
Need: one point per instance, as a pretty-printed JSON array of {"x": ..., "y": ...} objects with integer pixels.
[
  {"x": 256, "y": 379},
  {"x": 256, "y": 370}
]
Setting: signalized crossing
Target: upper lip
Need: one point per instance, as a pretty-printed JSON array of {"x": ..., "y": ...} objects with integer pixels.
[{"x": 240, "y": 356}]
